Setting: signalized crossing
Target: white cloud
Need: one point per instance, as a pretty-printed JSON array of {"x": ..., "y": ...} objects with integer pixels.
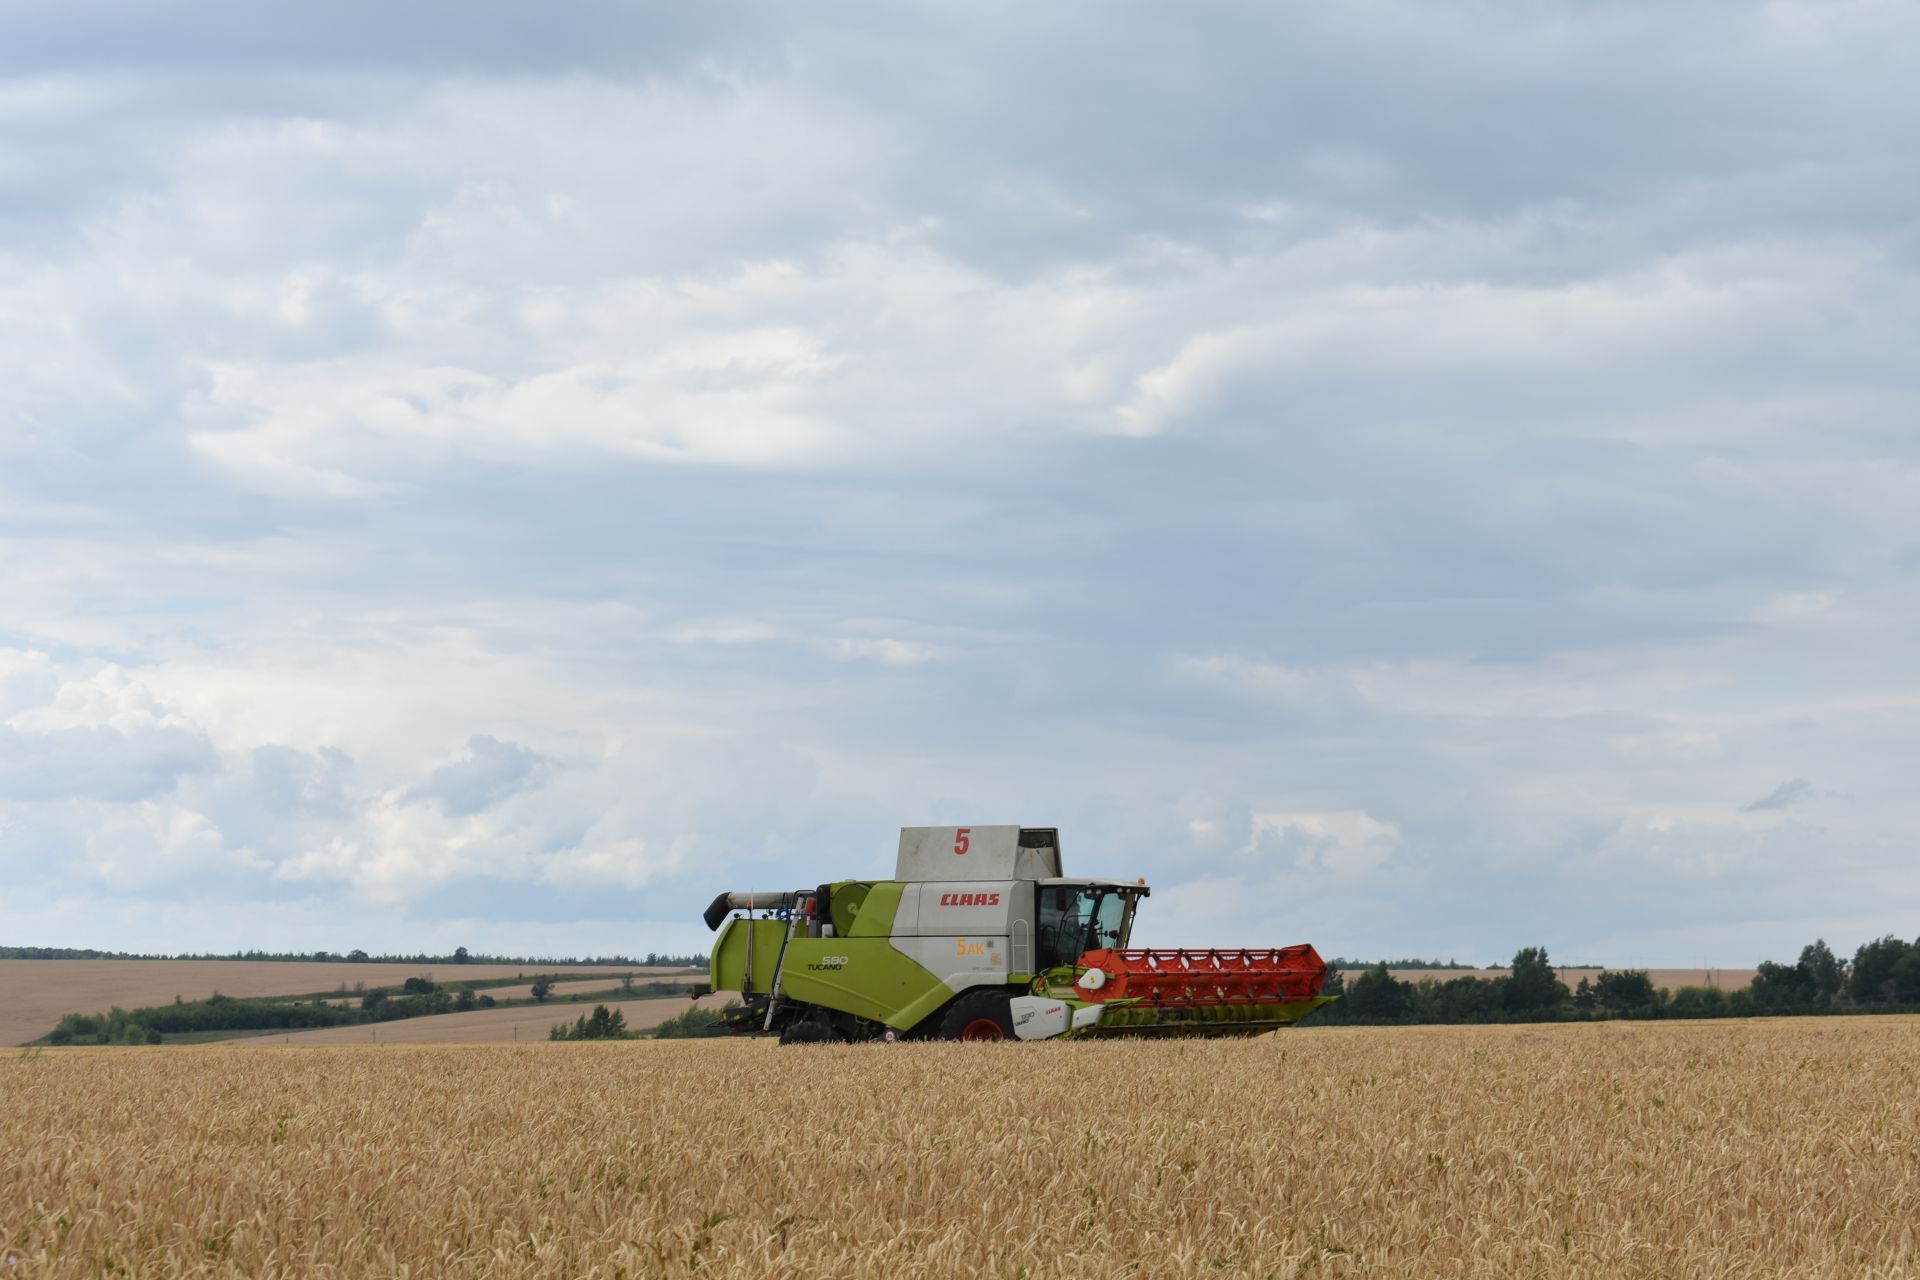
[
  {"x": 726, "y": 633},
  {"x": 625, "y": 863},
  {"x": 746, "y": 437},
  {"x": 884, "y": 650},
  {"x": 148, "y": 844},
  {"x": 1345, "y": 842}
]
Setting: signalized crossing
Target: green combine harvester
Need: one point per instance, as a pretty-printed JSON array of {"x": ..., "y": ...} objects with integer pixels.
[{"x": 980, "y": 937}]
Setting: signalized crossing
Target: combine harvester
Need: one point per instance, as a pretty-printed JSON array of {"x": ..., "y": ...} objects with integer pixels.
[{"x": 980, "y": 937}]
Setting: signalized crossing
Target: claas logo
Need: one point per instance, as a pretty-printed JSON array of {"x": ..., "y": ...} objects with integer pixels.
[{"x": 969, "y": 899}]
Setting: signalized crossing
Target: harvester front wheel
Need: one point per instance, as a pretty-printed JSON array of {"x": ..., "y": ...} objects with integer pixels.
[
  {"x": 979, "y": 1015},
  {"x": 807, "y": 1031}
]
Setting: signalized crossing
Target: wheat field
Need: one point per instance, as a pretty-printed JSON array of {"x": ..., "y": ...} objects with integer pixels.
[{"x": 1681, "y": 1150}]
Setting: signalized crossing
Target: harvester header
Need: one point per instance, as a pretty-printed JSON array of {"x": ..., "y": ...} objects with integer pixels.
[{"x": 981, "y": 936}]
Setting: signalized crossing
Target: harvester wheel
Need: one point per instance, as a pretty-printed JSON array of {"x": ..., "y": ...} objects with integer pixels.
[
  {"x": 807, "y": 1032},
  {"x": 979, "y": 1015}
]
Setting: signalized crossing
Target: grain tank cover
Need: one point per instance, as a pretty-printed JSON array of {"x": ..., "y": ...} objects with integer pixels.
[{"x": 978, "y": 853}]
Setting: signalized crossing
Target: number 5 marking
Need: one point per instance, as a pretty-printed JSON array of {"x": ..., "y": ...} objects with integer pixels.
[{"x": 961, "y": 843}]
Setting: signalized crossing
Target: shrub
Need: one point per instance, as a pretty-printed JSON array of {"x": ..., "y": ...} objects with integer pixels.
[
  {"x": 603, "y": 1024},
  {"x": 694, "y": 1023}
]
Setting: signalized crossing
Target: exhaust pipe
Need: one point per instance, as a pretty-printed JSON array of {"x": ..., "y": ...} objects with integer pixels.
[{"x": 716, "y": 912}]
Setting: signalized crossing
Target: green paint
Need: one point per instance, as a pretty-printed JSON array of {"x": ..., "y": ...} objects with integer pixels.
[
  {"x": 874, "y": 919},
  {"x": 728, "y": 968},
  {"x": 862, "y": 976}
]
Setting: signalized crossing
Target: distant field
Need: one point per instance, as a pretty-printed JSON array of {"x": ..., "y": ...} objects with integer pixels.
[
  {"x": 1672, "y": 979},
  {"x": 1704, "y": 1150},
  {"x": 489, "y": 1026},
  {"x": 34, "y": 993},
  {"x": 643, "y": 979}
]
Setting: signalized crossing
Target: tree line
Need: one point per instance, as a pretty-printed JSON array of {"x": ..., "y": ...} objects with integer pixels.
[
  {"x": 417, "y": 998},
  {"x": 1883, "y": 976}
]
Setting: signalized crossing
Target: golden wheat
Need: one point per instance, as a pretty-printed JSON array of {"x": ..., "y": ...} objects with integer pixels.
[{"x": 1705, "y": 1149}]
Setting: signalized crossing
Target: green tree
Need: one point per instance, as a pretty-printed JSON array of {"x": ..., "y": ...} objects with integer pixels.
[
  {"x": 604, "y": 1024},
  {"x": 460, "y": 955},
  {"x": 1780, "y": 986},
  {"x": 1378, "y": 995},
  {"x": 1534, "y": 986},
  {"x": 1462, "y": 999},
  {"x": 1621, "y": 992},
  {"x": 1906, "y": 976},
  {"x": 1699, "y": 1002},
  {"x": 1871, "y": 981},
  {"x": 1822, "y": 974},
  {"x": 542, "y": 988}
]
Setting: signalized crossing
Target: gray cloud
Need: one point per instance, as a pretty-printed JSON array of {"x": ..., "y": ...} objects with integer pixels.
[
  {"x": 98, "y": 762},
  {"x": 1244, "y": 430},
  {"x": 1784, "y": 796},
  {"x": 491, "y": 771}
]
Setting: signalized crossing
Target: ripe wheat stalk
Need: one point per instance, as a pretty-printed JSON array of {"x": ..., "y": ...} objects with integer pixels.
[{"x": 1714, "y": 1149}]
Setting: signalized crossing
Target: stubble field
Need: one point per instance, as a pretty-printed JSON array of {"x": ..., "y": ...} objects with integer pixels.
[
  {"x": 1652, "y": 1149},
  {"x": 34, "y": 993},
  {"x": 487, "y": 1026}
]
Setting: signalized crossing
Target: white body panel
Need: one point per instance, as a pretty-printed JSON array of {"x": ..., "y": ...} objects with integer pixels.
[
  {"x": 1036, "y": 1018},
  {"x": 948, "y": 907},
  {"x": 974, "y": 853},
  {"x": 967, "y": 960}
]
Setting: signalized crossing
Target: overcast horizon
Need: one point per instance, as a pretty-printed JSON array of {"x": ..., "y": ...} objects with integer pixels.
[{"x": 1420, "y": 479}]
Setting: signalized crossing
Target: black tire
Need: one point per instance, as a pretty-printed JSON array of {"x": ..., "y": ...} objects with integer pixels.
[
  {"x": 806, "y": 1031},
  {"x": 979, "y": 1015}
]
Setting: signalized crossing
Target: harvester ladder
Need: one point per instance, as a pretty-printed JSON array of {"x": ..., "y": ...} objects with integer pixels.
[{"x": 779, "y": 970}]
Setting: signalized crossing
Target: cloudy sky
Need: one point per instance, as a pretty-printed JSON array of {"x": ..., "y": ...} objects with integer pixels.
[{"x": 1412, "y": 477}]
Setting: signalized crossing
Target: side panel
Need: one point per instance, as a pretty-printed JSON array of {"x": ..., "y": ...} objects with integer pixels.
[
  {"x": 866, "y": 977},
  {"x": 875, "y": 918},
  {"x": 959, "y": 963},
  {"x": 957, "y": 853},
  {"x": 977, "y": 853},
  {"x": 728, "y": 968},
  {"x": 906, "y": 916},
  {"x": 1036, "y": 1017},
  {"x": 954, "y": 907},
  {"x": 966, "y": 960}
]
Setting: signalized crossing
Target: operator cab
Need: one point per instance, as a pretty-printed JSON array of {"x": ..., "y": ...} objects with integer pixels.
[{"x": 1076, "y": 917}]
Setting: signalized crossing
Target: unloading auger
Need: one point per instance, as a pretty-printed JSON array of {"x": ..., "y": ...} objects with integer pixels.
[{"x": 980, "y": 937}]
